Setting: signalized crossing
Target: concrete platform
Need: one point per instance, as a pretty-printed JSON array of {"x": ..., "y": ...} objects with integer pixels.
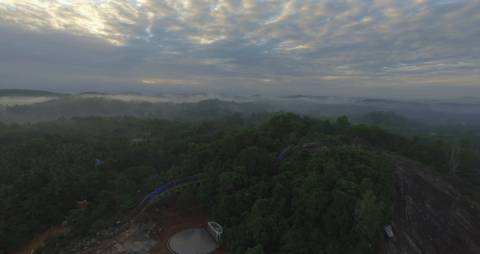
[{"x": 192, "y": 241}]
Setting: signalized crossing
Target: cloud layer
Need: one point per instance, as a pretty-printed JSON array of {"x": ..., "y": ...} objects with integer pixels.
[{"x": 343, "y": 47}]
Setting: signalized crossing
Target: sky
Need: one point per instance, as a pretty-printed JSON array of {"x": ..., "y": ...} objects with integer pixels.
[{"x": 364, "y": 48}]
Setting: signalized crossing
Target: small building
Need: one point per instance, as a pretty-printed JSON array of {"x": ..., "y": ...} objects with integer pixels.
[
  {"x": 83, "y": 204},
  {"x": 215, "y": 230}
]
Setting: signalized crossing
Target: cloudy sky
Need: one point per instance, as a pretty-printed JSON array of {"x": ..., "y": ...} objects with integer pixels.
[{"x": 381, "y": 48}]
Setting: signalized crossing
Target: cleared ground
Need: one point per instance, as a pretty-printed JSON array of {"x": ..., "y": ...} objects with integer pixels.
[
  {"x": 174, "y": 220},
  {"x": 39, "y": 240}
]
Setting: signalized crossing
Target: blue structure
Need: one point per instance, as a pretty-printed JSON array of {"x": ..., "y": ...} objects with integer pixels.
[
  {"x": 167, "y": 187},
  {"x": 283, "y": 153},
  {"x": 99, "y": 163}
]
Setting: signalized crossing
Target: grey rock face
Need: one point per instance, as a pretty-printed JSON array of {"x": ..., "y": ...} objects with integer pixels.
[{"x": 432, "y": 214}]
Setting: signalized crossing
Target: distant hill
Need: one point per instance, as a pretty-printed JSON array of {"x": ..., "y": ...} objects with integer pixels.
[
  {"x": 92, "y": 93},
  {"x": 301, "y": 96},
  {"x": 27, "y": 92},
  {"x": 33, "y": 105},
  {"x": 76, "y": 106}
]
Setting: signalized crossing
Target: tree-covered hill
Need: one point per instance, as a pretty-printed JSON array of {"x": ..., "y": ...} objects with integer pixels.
[
  {"x": 26, "y": 92},
  {"x": 289, "y": 184},
  {"x": 77, "y": 106}
]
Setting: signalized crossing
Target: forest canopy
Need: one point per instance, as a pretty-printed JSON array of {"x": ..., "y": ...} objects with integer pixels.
[{"x": 284, "y": 184}]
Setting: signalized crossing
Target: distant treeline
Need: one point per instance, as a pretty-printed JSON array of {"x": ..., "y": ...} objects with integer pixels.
[
  {"x": 400, "y": 115},
  {"x": 74, "y": 106},
  {"x": 26, "y": 92}
]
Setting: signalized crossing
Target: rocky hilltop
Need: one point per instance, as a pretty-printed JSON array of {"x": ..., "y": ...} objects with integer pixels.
[{"x": 433, "y": 213}]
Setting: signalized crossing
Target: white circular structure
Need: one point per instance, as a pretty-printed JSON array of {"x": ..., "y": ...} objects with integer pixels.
[
  {"x": 192, "y": 241},
  {"x": 215, "y": 230}
]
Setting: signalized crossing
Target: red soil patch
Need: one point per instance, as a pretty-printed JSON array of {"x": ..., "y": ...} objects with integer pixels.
[
  {"x": 174, "y": 220},
  {"x": 40, "y": 240},
  {"x": 169, "y": 221}
]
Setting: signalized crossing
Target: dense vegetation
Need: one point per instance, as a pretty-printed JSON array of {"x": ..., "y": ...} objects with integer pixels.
[
  {"x": 326, "y": 197},
  {"x": 329, "y": 192}
]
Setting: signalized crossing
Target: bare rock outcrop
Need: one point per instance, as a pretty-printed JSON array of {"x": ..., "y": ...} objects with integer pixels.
[{"x": 433, "y": 213}]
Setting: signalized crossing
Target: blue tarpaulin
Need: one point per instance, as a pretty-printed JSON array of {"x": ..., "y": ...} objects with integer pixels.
[
  {"x": 283, "y": 153},
  {"x": 166, "y": 187}
]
